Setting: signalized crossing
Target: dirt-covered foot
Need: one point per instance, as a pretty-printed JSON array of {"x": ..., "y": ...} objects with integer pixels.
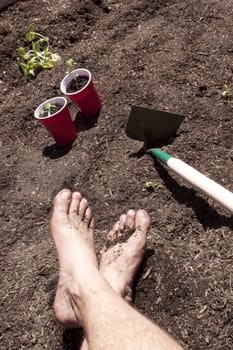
[
  {"x": 72, "y": 229},
  {"x": 127, "y": 240}
]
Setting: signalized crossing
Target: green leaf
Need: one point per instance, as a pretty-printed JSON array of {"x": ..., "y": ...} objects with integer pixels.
[
  {"x": 47, "y": 65},
  {"x": 32, "y": 72},
  {"x": 21, "y": 51},
  {"x": 36, "y": 46},
  {"x": 152, "y": 187},
  {"x": 149, "y": 185},
  {"x": 41, "y": 112},
  {"x": 30, "y": 35},
  {"x": 226, "y": 93},
  {"x": 160, "y": 187},
  {"x": 71, "y": 64}
]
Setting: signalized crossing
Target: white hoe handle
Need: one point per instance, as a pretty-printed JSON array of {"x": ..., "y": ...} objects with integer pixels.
[{"x": 204, "y": 183}]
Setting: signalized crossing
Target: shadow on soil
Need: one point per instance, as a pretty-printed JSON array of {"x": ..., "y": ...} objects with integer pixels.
[
  {"x": 83, "y": 122},
  {"x": 72, "y": 339},
  {"x": 54, "y": 151},
  {"x": 141, "y": 270},
  {"x": 206, "y": 214}
]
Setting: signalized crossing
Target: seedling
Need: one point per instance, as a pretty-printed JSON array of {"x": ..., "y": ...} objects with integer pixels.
[
  {"x": 78, "y": 81},
  {"x": 226, "y": 93},
  {"x": 71, "y": 64},
  {"x": 39, "y": 57},
  {"x": 150, "y": 186},
  {"x": 48, "y": 110}
]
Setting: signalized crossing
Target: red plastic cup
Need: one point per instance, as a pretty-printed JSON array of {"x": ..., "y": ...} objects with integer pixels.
[
  {"x": 59, "y": 125},
  {"x": 87, "y": 99}
]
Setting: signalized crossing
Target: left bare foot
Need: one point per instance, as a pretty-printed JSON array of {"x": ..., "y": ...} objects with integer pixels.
[{"x": 72, "y": 229}]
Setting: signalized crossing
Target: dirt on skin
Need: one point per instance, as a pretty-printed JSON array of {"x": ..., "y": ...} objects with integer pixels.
[{"x": 169, "y": 55}]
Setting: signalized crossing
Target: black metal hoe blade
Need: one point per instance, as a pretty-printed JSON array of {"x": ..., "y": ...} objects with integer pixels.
[{"x": 151, "y": 126}]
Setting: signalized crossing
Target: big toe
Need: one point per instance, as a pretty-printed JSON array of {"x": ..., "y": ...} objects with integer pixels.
[
  {"x": 142, "y": 220},
  {"x": 130, "y": 218},
  {"x": 142, "y": 224},
  {"x": 61, "y": 205}
]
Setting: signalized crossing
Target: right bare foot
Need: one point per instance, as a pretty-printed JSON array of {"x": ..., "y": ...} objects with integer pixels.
[{"x": 120, "y": 262}]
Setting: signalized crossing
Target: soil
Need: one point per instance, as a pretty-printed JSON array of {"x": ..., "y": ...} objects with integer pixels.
[
  {"x": 77, "y": 84},
  {"x": 169, "y": 55}
]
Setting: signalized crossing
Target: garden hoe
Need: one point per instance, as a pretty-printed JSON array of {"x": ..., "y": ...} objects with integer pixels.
[{"x": 155, "y": 128}]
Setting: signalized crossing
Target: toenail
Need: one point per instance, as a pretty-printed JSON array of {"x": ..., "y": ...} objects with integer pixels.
[
  {"x": 65, "y": 194},
  {"x": 77, "y": 194}
]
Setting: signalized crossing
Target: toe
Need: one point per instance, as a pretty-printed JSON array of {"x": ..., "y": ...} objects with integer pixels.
[
  {"x": 74, "y": 204},
  {"x": 122, "y": 223},
  {"x": 61, "y": 203},
  {"x": 83, "y": 207},
  {"x": 142, "y": 223},
  {"x": 113, "y": 234},
  {"x": 130, "y": 218},
  {"x": 92, "y": 224},
  {"x": 142, "y": 220},
  {"x": 88, "y": 216}
]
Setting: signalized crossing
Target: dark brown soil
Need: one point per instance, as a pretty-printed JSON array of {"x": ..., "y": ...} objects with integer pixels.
[
  {"x": 77, "y": 84},
  {"x": 157, "y": 54}
]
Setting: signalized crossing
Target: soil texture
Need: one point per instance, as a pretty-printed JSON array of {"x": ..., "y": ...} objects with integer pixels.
[
  {"x": 169, "y": 55},
  {"x": 77, "y": 84}
]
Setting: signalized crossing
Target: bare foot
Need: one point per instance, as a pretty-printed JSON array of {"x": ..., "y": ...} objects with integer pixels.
[
  {"x": 72, "y": 229},
  {"x": 120, "y": 262}
]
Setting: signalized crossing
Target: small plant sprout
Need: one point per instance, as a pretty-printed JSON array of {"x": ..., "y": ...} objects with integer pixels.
[
  {"x": 150, "y": 186},
  {"x": 160, "y": 187},
  {"x": 38, "y": 57},
  {"x": 71, "y": 64},
  {"x": 78, "y": 81},
  {"x": 48, "y": 110},
  {"x": 226, "y": 92}
]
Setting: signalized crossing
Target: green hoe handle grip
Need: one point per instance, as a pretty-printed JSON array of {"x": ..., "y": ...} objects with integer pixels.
[{"x": 161, "y": 155}]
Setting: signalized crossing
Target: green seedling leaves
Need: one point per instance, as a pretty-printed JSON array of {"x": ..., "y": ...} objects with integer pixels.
[
  {"x": 150, "y": 186},
  {"x": 39, "y": 57},
  {"x": 71, "y": 64},
  {"x": 226, "y": 92},
  {"x": 30, "y": 35},
  {"x": 47, "y": 110},
  {"x": 160, "y": 187},
  {"x": 21, "y": 51}
]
